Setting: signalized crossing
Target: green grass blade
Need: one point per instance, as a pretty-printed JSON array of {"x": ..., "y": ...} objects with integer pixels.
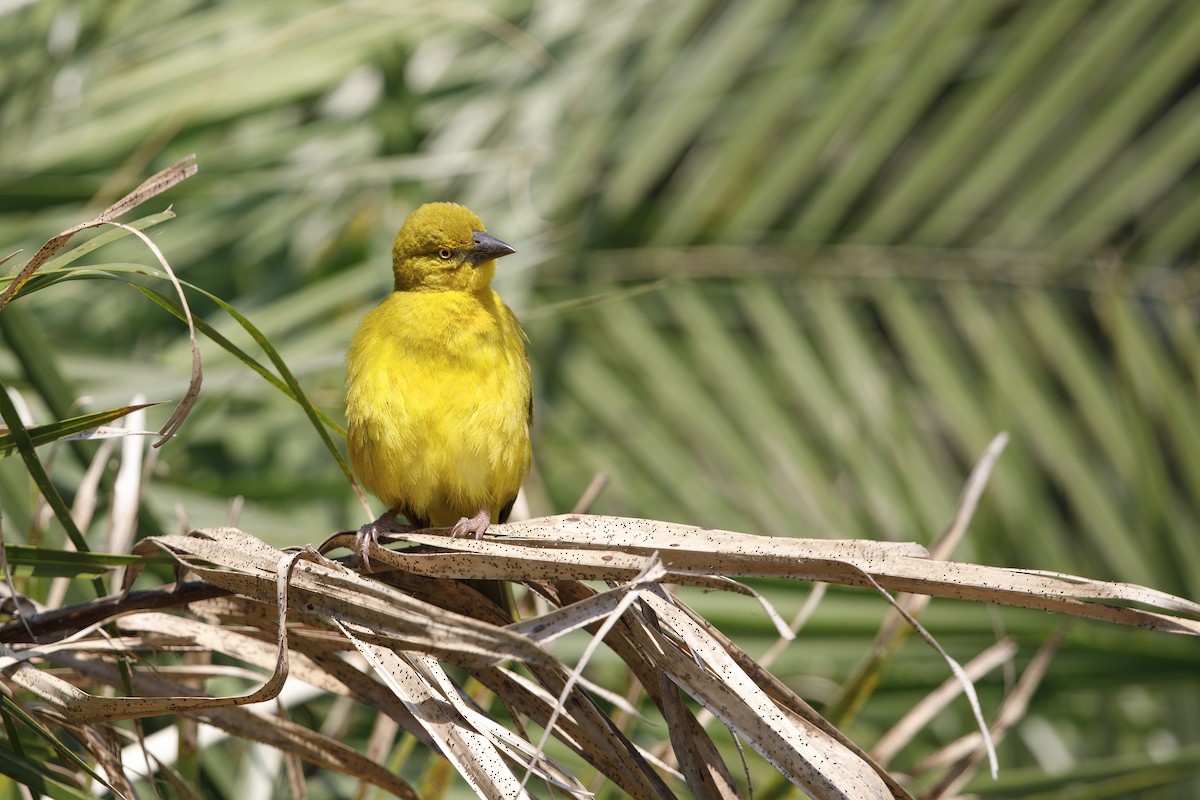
[
  {"x": 53, "y": 431},
  {"x": 33, "y": 464},
  {"x": 289, "y": 385},
  {"x": 11, "y": 707},
  {"x": 37, "y": 778},
  {"x": 241, "y": 355},
  {"x": 53, "y": 562}
]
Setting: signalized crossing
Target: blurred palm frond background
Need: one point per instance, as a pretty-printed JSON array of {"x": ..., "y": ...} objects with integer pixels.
[{"x": 786, "y": 268}]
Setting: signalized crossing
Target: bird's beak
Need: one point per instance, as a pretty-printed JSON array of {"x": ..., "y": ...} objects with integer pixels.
[{"x": 488, "y": 247}]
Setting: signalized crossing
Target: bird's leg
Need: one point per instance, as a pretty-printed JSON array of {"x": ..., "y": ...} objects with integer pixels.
[
  {"x": 476, "y": 524},
  {"x": 368, "y": 534}
]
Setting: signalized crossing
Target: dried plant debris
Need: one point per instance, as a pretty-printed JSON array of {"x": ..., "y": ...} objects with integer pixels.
[{"x": 405, "y": 635}]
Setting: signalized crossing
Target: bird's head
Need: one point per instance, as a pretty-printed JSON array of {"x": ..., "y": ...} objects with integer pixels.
[{"x": 445, "y": 247}]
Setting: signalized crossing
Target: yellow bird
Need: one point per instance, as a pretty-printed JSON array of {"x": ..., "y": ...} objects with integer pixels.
[{"x": 439, "y": 397}]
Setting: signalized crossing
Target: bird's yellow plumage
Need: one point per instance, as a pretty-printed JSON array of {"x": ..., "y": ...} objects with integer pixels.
[{"x": 439, "y": 395}]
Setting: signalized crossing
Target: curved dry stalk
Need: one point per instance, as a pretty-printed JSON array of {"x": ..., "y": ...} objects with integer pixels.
[
  {"x": 932, "y": 704},
  {"x": 175, "y": 421},
  {"x": 153, "y": 186}
]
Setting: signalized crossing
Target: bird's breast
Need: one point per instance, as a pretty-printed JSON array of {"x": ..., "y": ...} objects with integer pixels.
[{"x": 437, "y": 402}]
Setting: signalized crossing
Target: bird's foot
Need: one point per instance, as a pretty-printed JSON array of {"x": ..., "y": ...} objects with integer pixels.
[
  {"x": 475, "y": 525},
  {"x": 368, "y": 535}
]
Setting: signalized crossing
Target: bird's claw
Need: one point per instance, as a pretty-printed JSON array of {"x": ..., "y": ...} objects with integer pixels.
[
  {"x": 368, "y": 536},
  {"x": 474, "y": 525}
]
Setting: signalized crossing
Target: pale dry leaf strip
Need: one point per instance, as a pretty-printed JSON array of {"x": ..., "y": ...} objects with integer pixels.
[
  {"x": 316, "y": 650},
  {"x": 158, "y": 628},
  {"x": 969, "y": 498},
  {"x": 610, "y": 604},
  {"x": 633, "y": 590},
  {"x": 367, "y": 690},
  {"x": 908, "y": 606},
  {"x": 811, "y": 603},
  {"x": 963, "y": 754},
  {"x": 518, "y": 749},
  {"x": 802, "y": 753},
  {"x": 944, "y": 545},
  {"x": 646, "y": 535},
  {"x": 489, "y": 559},
  {"x": 127, "y": 489},
  {"x": 102, "y": 743},
  {"x": 590, "y": 494},
  {"x": 964, "y": 680},
  {"x": 324, "y": 587},
  {"x": 473, "y": 755},
  {"x": 106, "y": 432},
  {"x": 608, "y": 548},
  {"x": 920, "y": 715},
  {"x": 700, "y": 762},
  {"x": 788, "y": 700},
  {"x": 249, "y": 723},
  {"x": 297, "y": 785},
  {"x": 581, "y": 726},
  {"x": 504, "y": 560},
  {"x": 80, "y": 707}
]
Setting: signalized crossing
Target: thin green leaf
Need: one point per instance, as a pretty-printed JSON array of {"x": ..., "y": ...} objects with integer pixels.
[
  {"x": 13, "y": 708},
  {"x": 40, "y": 780},
  {"x": 33, "y": 464},
  {"x": 54, "y": 431},
  {"x": 59, "y": 263},
  {"x": 71, "y": 563},
  {"x": 289, "y": 385}
]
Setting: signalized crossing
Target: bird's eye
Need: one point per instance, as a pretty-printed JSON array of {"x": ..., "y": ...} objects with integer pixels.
[{"x": 445, "y": 253}]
